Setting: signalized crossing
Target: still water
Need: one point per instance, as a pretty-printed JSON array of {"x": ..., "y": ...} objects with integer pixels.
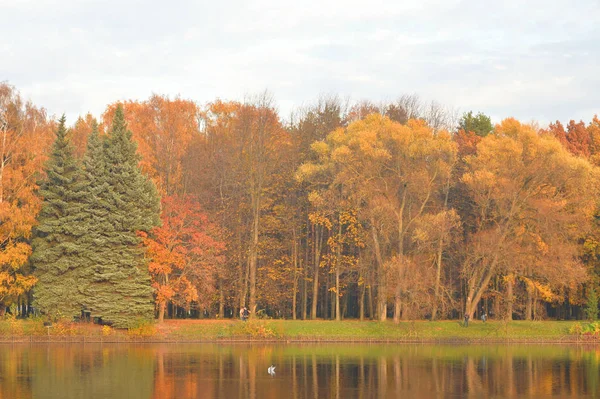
[{"x": 145, "y": 371}]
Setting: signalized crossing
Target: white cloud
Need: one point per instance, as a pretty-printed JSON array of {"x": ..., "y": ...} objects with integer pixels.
[{"x": 534, "y": 60}]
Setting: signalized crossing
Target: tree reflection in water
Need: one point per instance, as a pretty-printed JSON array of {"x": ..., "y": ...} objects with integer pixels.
[{"x": 303, "y": 371}]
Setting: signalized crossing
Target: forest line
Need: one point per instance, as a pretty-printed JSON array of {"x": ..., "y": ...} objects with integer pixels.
[{"x": 364, "y": 210}]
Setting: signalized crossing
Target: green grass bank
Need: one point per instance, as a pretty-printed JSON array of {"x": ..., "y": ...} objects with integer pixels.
[{"x": 307, "y": 331}]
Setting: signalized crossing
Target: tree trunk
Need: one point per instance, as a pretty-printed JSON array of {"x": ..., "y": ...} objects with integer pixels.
[
  {"x": 370, "y": 298},
  {"x": 326, "y": 298},
  {"x": 397, "y": 306},
  {"x": 478, "y": 284},
  {"x": 440, "y": 251},
  {"x": 294, "y": 300},
  {"x": 253, "y": 254},
  {"x": 475, "y": 291},
  {"x": 295, "y": 266},
  {"x": 161, "y": 311},
  {"x": 529, "y": 304},
  {"x": 400, "y": 263},
  {"x": 405, "y": 313},
  {"x": 535, "y": 305},
  {"x": 510, "y": 280},
  {"x": 243, "y": 271},
  {"x": 318, "y": 236},
  {"x": 221, "y": 300},
  {"x": 304, "y": 294},
  {"x": 382, "y": 283},
  {"x": 361, "y": 303},
  {"x": 338, "y": 262}
]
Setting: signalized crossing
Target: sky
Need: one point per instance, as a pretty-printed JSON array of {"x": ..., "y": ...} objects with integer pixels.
[{"x": 533, "y": 60}]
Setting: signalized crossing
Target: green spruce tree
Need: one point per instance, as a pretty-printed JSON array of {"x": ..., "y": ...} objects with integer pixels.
[
  {"x": 121, "y": 201},
  {"x": 96, "y": 242},
  {"x": 479, "y": 124},
  {"x": 56, "y": 257}
]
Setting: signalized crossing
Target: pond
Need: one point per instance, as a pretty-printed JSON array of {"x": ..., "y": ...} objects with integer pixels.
[{"x": 301, "y": 371}]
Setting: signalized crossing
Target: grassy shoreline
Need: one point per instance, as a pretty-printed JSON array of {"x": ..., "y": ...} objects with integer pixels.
[{"x": 181, "y": 331}]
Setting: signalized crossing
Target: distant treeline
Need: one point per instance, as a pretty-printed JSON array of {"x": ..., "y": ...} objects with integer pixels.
[{"x": 344, "y": 210}]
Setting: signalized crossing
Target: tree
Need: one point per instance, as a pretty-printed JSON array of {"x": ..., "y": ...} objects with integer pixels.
[
  {"x": 594, "y": 146},
  {"x": 238, "y": 157},
  {"x": 121, "y": 203},
  {"x": 576, "y": 138},
  {"x": 527, "y": 191},
  {"x": 56, "y": 255},
  {"x": 163, "y": 128},
  {"x": 479, "y": 124},
  {"x": 25, "y": 136},
  {"x": 313, "y": 124},
  {"x": 185, "y": 255},
  {"x": 591, "y": 308},
  {"x": 392, "y": 174},
  {"x": 79, "y": 133}
]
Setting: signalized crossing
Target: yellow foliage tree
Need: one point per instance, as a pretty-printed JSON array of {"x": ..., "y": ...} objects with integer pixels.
[{"x": 531, "y": 198}]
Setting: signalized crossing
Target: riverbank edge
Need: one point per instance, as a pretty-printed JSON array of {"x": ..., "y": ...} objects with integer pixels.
[{"x": 305, "y": 340}]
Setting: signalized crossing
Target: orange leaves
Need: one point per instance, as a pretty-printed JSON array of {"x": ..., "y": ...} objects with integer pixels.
[
  {"x": 320, "y": 219},
  {"x": 467, "y": 142},
  {"x": 184, "y": 252},
  {"x": 12, "y": 285},
  {"x": 163, "y": 129},
  {"x": 430, "y": 227},
  {"x": 25, "y": 135},
  {"x": 79, "y": 133},
  {"x": 579, "y": 139},
  {"x": 15, "y": 255},
  {"x": 533, "y": 200}
]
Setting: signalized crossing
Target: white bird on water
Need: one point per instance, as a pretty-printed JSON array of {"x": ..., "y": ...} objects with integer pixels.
[{"x": 271, "y": 370}]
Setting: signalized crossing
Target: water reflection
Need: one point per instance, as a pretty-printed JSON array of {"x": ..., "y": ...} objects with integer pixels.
[{"x": 302, "y": 371}]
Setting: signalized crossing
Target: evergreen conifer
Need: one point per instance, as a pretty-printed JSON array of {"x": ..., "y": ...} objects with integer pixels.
[
  {"x": 56, "y": 256},
  {"x": 120, "y": 202}
]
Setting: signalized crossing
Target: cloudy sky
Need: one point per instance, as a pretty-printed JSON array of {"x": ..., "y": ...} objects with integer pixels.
[{"x": 529, "y": 59}]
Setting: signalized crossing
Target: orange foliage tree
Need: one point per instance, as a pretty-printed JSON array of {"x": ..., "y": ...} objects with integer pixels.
[
  {"x": 79, "y": 134},
  {"x": 234, "y": 170},
  {"x": 185, "y": 254},
  {"x": 25, "y": 135},
  {"x": 163, "y": 129},
  {"x": 531, "y": 199}
]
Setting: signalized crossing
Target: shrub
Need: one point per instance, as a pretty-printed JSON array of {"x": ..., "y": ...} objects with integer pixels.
[
  {"x": 142, "y": 328},
  {"x": 592, "y": 329},
  {"x": 576, "y": 329},
  {"x": 253, "y": 329}
]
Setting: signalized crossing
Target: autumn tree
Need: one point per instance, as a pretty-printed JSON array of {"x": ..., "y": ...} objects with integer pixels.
[
  {"x": 25, "y": 136},
  {"x": 185, "y": 254},
  {"x": 576, "y": 137},
  {"x": 163, "y": 129},
  {"x": 393, "y": 173},
  {"x": 261, "y": 126},
  {"x": 213, "y": 173},
  {"x": 78, "y": 134},
  {"x": 313, "y": 124},
  {"x": 241, "y": 148},
  {"x": 525, "y": 187}
]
